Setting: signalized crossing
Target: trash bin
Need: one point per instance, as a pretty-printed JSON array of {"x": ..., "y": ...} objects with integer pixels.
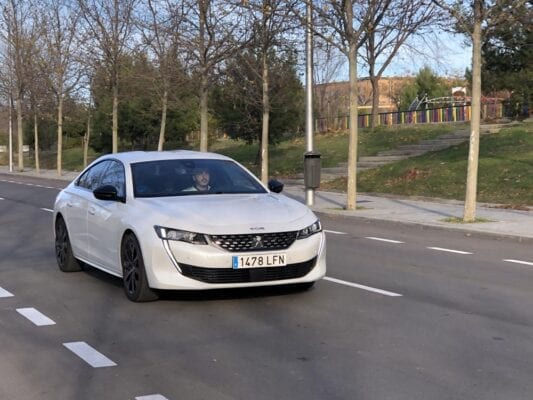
[{"x": 312, "y": 169}]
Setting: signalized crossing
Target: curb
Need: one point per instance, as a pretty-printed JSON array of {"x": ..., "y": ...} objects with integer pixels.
[{"x": 428, "y": 225}]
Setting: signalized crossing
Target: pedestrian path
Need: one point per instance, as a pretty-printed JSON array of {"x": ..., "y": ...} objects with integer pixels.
[{"x": 517, "y": 224}]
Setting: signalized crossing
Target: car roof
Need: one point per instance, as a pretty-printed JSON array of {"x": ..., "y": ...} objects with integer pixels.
[{"x": 131, "y": 157}]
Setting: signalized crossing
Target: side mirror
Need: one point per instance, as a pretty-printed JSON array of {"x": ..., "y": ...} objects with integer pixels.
[
  {"x": 107, "y": 192},
  {"x": 275, "y": 186}
]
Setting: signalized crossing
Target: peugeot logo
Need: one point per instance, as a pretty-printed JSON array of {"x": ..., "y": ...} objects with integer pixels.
[{"x": 257, "y": 242}]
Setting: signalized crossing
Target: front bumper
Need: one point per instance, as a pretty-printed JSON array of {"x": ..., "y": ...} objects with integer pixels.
[{"x": 179, "y": 265}]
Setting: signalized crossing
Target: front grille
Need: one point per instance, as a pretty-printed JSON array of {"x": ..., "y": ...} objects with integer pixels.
[
  {"x": 255, "y": 242},
  {"x": 229, "y": 275}
]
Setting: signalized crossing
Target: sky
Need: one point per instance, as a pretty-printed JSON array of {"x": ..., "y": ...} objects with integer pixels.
[{"x": 446, "y": 54}]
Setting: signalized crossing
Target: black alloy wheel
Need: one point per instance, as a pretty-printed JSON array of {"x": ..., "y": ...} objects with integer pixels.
[
  {"x": 134, "y": 275},
  {"x": 64, "y": 256}
]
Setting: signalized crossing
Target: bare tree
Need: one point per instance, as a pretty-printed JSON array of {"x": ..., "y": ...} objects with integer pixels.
[
  {"x": 59, "y": 57},
  {"x": 215, "y": 32},
  {"x": 345, "y": 25},
  {"x": 388, "y": 32},
  {"x": 161, "y": 24},
  {"x": 470, "y": 16},
  {"x": 330, "y": 61},
  {"x": 269, "y": 20},
  {"x": 109, "y": 24},
  {"x": 38, "y": 99},
  {"x": 19, "y": 36}
]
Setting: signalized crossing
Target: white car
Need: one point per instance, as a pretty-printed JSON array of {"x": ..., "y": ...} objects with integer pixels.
[{"x": 185, "y": 220}]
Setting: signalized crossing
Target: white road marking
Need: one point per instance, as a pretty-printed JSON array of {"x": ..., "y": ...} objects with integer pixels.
[
  {"x": 151, "y": 397},
  {"x": 29, "y": 184},
  {"x": 383, "y": 240},
  {"x": 1, "y": 198},
  {"x": 47, "y": 209},
  {"x": 5, "y": 293},
  {"x": 358, "y": 286},
  {"x": 35, "y": 316},
  {"x": 449, "y": 250},
  {"x": 519, "y": 262},
  {"x": 335, "y": 232},
  {"x": 88, "y": 354}
]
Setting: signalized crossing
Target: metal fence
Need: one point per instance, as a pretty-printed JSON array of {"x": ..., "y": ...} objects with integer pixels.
[{"x": 450, "y": 114}]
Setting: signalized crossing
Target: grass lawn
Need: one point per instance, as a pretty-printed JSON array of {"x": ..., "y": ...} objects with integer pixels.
[
  {"x": 505, "y": 165},
  {"x": 505, "y": 171},
  {"x": 286, "y": 158},
  {"x": 72, "y": 159}
]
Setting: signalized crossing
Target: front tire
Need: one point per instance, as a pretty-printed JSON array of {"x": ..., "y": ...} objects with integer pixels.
[
  {"x": 133, "y": 271},
  {"x": 64, "y": 256}
]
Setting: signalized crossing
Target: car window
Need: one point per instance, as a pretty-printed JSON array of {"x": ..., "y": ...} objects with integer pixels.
[
  {"x": 191, "y": 177},
  {"x": 114, "y": 176},
  {"x": 91, "y": 178}
]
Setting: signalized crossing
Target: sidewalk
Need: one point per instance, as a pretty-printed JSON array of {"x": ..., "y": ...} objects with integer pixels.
[
  {"x": 428, "y": 212},
  {"x": 44, "y": 173}
]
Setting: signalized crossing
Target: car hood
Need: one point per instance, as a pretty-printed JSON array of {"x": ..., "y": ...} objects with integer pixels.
[{"x": 229, "y": 213}]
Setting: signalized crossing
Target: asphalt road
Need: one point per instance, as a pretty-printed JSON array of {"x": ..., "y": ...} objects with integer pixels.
[{"x": 405, "y": 313}]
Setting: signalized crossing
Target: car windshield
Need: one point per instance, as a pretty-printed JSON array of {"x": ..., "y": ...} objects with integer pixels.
[{"x": 191, "y": 177}]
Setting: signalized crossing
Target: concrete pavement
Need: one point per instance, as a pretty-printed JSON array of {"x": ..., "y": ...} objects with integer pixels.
[
  {"x": 502, "y": 222},
  {"x": 517, "y": 224}
]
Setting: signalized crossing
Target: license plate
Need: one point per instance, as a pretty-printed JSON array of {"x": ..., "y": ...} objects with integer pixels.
[{"x": 258, "y": 261}]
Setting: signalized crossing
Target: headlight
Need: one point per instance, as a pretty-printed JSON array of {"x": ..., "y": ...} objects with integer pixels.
[
  {"x": 315, "y": 227},
  {"x": 180, "y": 236}
]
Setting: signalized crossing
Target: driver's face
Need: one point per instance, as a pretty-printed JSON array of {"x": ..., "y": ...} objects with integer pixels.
[{"x": 202, "y": 179}]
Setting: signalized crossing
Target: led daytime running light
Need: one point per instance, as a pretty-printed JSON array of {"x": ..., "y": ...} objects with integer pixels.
[
  {"x": 180, "y": 236},
  {"x": 315, "y": 227}
]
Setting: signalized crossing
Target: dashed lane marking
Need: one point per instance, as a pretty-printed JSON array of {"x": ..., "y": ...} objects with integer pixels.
[
  {"x": 88, "y": 354},
  {"x": 1, "y": 198},
  {"x": 449, "y": 250},
  {"x": 383, "y": 239},
  {"x": 5, "y": 293},
  {"x": 35, "y": 316},
  {"x": 335, "y": 232},
  {"x": 519, "y": 262},
  {"x": 358, "y": 286},
  {"x": 151, "y": 397},
  {"x": 30, "y": 184},
  {"x": 47, "y": 209}
]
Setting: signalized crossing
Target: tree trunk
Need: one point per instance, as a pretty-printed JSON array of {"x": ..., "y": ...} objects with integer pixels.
[
  {"x": 374, "y": 80},
  {"x": 86, "y": 141},
  {"x": 351, "y": 201},
  {"x": 20, "y": 135},
  {"x": 36, "y": 142},
  {"x": 266, "y": 117},
  {"x": 164, "y": 101},
  {"x": 115, "y": 114},
  {"x": 59, "y": 135},
  {"x": 203, "y": 112},
  {"x": 473, "y": 152},
  {"x": 204, "y": 78}
]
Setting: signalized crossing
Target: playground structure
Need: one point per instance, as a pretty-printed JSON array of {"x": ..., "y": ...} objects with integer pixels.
[
  {"x": 447, "y": 109},
  {"x": 438, "y": 102},
  {"x": 444, "y": 110}
]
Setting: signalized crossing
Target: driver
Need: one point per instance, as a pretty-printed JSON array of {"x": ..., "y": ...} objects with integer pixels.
[{"x": 201, "y": 178}]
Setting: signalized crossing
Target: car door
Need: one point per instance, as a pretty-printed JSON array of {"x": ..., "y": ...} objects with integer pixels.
[
  {"x": 104, "y": 218},
  {"x": 77, "y": 204}
]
